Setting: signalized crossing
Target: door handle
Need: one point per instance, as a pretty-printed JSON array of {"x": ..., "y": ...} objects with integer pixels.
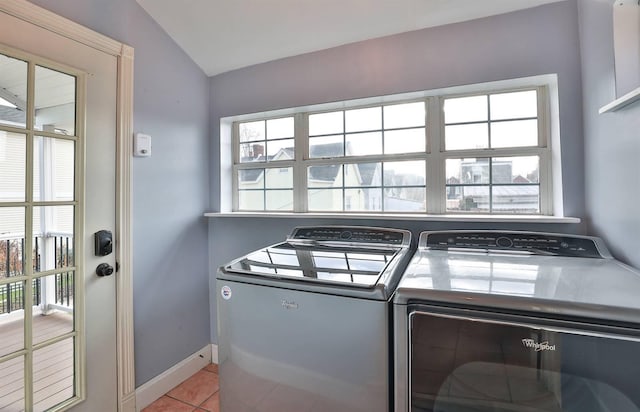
[{"x": 104, "y": 269}]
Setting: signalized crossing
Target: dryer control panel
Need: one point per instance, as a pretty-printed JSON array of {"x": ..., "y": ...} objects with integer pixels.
[{"x": 531, "y": 242}]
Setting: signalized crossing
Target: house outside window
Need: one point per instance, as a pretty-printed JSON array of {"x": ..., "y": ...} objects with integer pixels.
[{"x": 482, "y": 153}]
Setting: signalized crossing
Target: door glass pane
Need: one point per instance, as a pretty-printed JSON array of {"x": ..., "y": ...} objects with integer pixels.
[
  {"x": 53, "y": 237},
  {"x": 55, "y": 101},
  {"x": 53, "y": 375},
  {"x": 12, "y": 226},
  {"x": 13, "y": 162},
  {"x": 12, "y": 385},
  {"x": 53, "y": 306},
  {"x": 11, "y": 318},
  {"x": 13, "y": 92},
  {"x": 54, "y": 165}
]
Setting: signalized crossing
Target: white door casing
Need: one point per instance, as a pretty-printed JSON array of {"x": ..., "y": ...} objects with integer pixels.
[{"x": 109, "y": 64}]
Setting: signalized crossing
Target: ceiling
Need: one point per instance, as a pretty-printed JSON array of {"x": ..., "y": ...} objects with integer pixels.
[{"x": 223, "y": 35}]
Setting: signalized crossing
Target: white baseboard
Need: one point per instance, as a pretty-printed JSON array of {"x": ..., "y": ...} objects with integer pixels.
[
  {"x": 214, "y": 353},
  {"x": 163, "y": 383}
]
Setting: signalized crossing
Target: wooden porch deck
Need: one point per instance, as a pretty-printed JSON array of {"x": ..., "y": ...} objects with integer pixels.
[{"x": 52, "y": 365}]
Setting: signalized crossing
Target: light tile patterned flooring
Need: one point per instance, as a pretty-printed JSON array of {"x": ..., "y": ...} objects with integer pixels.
[{"x": 198, "y": 393}]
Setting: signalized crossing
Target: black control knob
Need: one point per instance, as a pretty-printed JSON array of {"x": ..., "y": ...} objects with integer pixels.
[
  {"x": 104, "y": 269},
  {"x": 346, "y": 235},
  {"x": 504, "y": 242}
]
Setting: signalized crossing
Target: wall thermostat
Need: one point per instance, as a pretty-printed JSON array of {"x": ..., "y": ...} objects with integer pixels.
[{"x": 142, "y": 145}]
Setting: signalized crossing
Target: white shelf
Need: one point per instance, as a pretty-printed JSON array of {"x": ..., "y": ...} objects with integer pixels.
[{"x": 621, "y": 102}]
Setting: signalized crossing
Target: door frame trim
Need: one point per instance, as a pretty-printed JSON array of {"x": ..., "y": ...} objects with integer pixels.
[{"x": 50, "y": 21}]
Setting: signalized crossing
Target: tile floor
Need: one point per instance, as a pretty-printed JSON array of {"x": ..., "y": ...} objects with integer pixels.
[{"x": 198, "y": 393}]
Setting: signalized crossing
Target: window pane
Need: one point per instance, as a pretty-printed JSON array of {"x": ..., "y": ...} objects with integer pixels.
[
  {"x": 363, "y": 199},
  {"x": 53, "y": 375},
  {"x": 57, "y": 157},
  {"x": 252, "y": 152},
  {"x": 363, "y": 144},
  {"x": 326, "y": 123},
  {"x": 48, "y": 290},
  {"x": 404, "y": 141},
  {"x": 251, "y": 200},
  {"x": 277, "y": 178},
  {"x": 13, "y": 163},
  {"x": 517, "y": 133},
  {"x": 410, "y": 173},
  {"x": 404, "y": 115},
  {"x": 516, "y": 105},
  {"x": 468, "y": 198},
  {"x": 55, "y": 100},
  {"x": 279, "y": 199},
  {"x": 53, "y": 237},
  {"x": 280, "y": 150},
  {"x": 12, "y": 227},
  {"x": 405, "y": 199},
  {"x": 279, "y": 128},
  {"x": 326, "y": 146},
  {"x": 251, "y": 179},
  {"x": 360, "y": 120},
  {"x": 362, "y": 174},
  {"x": 12, "y": 395},
  {"x": 465, "y": 109},
  {"x": 522, "y": 170},
  {"x": 12, "y": 297},
  {"x": 468, "y": 171},
  {"x": 467, "y": 136},
  {"x": 516, "y": 199},
  {"x": 325, "y": 199},
  {"x": 13, "y": 83},
  {"x": 324, "y": 176},
  {"x": 252, "y": 131}
]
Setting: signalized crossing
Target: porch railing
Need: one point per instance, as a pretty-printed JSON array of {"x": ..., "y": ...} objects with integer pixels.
[{"x": 12, "y": 258}]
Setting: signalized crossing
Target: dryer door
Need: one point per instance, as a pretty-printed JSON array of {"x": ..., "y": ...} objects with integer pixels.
[{"x": 467, "y": 363}]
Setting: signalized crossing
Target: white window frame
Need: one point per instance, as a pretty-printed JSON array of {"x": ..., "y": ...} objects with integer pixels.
[{"x": 547, "y": 150}]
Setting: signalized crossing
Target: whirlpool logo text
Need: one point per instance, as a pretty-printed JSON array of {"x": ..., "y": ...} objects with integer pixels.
[{"x": 538, "y": 346}]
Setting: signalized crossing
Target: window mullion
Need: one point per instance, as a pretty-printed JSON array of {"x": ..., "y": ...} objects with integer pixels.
[
  {"x": 435, "y": 163},
  {"x": 301, "y": 144}
]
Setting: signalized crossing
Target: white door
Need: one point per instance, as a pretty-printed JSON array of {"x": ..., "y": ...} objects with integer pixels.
[{"x": 57, "y": 188}]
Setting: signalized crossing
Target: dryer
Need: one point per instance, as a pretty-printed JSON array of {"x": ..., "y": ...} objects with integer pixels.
[{"x": 516, "y": 321}]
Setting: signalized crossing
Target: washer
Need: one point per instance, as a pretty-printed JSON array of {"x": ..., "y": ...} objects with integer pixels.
[
  {"x": 516, "y": 321},
  {"x": 305, "y": 325}
]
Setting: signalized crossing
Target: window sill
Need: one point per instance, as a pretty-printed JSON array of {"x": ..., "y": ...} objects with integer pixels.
[{"x": 399, "y": 216}]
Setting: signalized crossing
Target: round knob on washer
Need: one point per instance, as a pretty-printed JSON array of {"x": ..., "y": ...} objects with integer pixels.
[{"x": 504, "y": 242}]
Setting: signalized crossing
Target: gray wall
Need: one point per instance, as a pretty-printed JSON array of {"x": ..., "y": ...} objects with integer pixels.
[
  {"x": 612, "y": 140},
  {"x": 171, "y": 189},
  {"x": 531, "y": 42}
]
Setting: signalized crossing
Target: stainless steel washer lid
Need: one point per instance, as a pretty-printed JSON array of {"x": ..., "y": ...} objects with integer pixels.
[
  {"x": 598, "y": 288},
  {"x": 355, "y": 261}
]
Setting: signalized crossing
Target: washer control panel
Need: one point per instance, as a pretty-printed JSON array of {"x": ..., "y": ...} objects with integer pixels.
[
  {"x": 531, "y": 242},
  {"x": 353, "y": 234}
]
